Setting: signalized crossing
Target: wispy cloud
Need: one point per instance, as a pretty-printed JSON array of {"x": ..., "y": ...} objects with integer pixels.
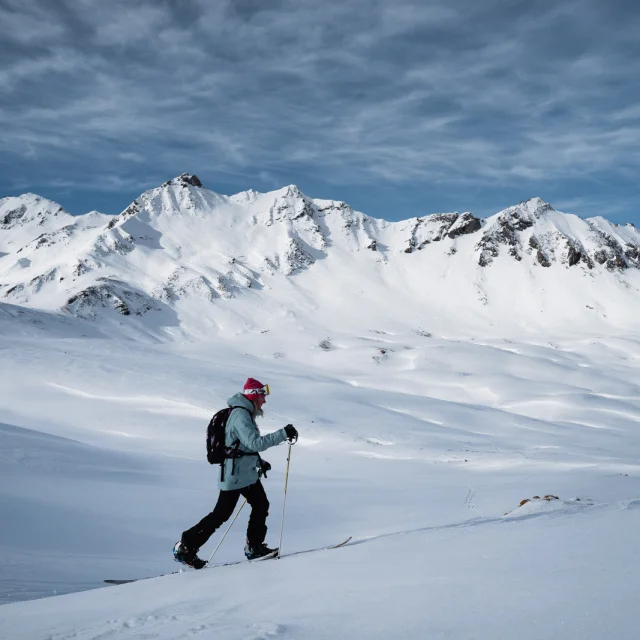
[{"x": 472, "y": 95}]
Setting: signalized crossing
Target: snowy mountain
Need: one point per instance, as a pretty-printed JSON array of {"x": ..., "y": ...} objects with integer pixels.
[
  {"x": 179, "y": 252},
  {"x": 466, "y": 392},
  {"x": 26, "y": 217}
]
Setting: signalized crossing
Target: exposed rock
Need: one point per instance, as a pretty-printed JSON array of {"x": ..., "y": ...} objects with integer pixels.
[
  {"x": 506, "y": 230},
  {"x": 18, "y": 288},
  {"x": 438, "y": 226},
  {"x": 270, "y": 265},
  {"x": 81, "y": 268},
  {"x": 31, "y": 209},
  {"x": 54, "y": 237},
  {"x": 518, "y": 223},
  {"x": 226, "y": 285},
  {"x": 112, "y": 294},
  {"x": 293, "y": 205},
  {"x": 632, "y": 252},
  {"x": 465, "y": 224},
  {"x": 502, "y": 233},
  {"x": 540, "y": 255},
  {"x": 542, "y": 259},
  {"x": 613, "y": 259},
  {"x": 185, "y": 284},
  {"x": 39, "y": 281},
  {"x": 14, "y": 215},
  {"x": 133, "y": 209},
  {"x": 188, "y": 179},
  {"x": 616, "y": 261},
  {"x": 114, "y": 241},
  {"x": 574, "y": 255},
  {"x": 381, "y": 355},
  {"x": 296, "y": 257},
  {"x": 600, "y": 256}
]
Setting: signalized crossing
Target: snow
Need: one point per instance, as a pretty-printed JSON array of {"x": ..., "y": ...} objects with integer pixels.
[
  {"x": 26, "y": 217},
  {"x": 426, "y": 418}
]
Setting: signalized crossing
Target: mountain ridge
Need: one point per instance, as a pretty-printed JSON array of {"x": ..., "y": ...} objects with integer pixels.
[{"x": 180, "y": 246}]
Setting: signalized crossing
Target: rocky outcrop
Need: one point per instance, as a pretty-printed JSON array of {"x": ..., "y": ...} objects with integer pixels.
[
  {"x": 54, "y": 237},
  {"x": 113, "y": 241},
  {"x": 506, "y": 230},
  {"x": 186, "y": 179},
  {"x": 534, "y": 228},
  {"x": 542, "y": 258},
  {"x": 109, "y": 294},
  {"x": 292, "y": 204},
  {"x": 464, "y": 225},
  {"x": 13, "y": 215},
  {"x": 185, "y": 284},
  {"x": 438, "y": 226},
  {"x": 132, "y": 210},
  {"x": 612, "y": 254},
  {"x": 296, "y": 258},
  {"x": 20, "y": 292},
  {"x": 28, "y": 208}
]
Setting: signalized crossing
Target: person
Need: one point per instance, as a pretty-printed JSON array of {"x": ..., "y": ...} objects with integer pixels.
[{"x": 239, "y": 476}]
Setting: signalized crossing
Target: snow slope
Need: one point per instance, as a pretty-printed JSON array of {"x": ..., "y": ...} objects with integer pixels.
[
  {"x": 426, "y": 418},
  {"x": 418, "y": 584}
]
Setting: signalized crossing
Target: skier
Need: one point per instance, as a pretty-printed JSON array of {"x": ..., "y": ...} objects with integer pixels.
[{"x": 239, "y": 476}]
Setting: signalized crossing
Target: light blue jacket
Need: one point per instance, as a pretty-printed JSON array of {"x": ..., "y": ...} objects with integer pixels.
[{"x": 242, "y": 429}]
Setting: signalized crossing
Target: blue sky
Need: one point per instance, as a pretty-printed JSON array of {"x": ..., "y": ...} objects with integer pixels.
[{"x": 399, "y": 108}]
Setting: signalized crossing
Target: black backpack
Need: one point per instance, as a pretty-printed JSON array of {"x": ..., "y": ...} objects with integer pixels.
[{"x": 216, "y": 450}]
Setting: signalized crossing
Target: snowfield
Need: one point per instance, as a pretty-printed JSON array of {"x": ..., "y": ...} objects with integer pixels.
[{"x": 475, "y": 429}]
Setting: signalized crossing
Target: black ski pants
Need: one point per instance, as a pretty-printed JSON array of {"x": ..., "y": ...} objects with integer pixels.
[{"x": 195, "y": 537}]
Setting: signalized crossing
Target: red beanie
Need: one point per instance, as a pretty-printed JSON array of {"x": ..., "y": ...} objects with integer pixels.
[{"x": 253, "y": 387}]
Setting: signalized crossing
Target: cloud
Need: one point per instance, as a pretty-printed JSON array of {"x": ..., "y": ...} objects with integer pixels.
[{"x": 476, "y": 95}]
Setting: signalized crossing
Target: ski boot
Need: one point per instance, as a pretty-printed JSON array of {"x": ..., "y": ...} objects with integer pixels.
[
  {"x": 258, "y": 551},
  {"x": 183, "y": 554}
]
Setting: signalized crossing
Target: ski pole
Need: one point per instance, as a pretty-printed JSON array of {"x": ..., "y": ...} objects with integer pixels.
[
  {"x": 227, "y": 531},
  {"x": 284, "y": 501}
]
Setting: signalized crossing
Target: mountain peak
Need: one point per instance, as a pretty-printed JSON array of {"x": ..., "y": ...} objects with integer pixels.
[
  {"x": 185, "y": 179},
  {"x": 28, "y": 207},
  {"x": 290, "y": 191},
  {"x": 537, "y": 201},
  {"x": 536, "y": 206}
]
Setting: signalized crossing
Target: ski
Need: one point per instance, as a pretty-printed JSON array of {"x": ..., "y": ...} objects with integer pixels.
[
  {"x": 340, "y": 544},
  {"x": 173, "y": 573},
  {"x": 236, "y": 562},
  {"x": 138, "y": 579}
]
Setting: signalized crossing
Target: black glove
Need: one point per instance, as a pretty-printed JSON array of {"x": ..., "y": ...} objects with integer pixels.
[
  {"x": 292, "y": 433},
  {"x": 263, "y": 467}
]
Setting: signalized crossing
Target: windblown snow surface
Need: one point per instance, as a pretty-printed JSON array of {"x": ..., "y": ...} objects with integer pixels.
[{"x": 421, "y": 432}]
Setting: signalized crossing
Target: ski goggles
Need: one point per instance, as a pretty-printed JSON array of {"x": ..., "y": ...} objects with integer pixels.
[{"x": 262, "y": 391}]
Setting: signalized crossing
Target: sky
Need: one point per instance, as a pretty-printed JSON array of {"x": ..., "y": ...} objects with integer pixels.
[{"x": 400, "y": 108}]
